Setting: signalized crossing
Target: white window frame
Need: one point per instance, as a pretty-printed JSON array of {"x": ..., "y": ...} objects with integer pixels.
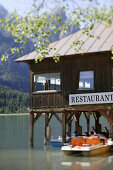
[{"x": 46, "y": 80}]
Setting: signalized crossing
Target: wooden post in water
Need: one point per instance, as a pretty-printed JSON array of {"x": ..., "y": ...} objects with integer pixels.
[
  {"x": 87, "y": 116},
  {"x": 46, "y": 125},
  {"x": 47, "y": 128},
  {"x": 77, "y": 126},
  {"x": 96, "y": 117},
  {"x": 31, "y": 128},
  {"x": 69, "y": 118},
  {"x": 64, "y": 127},
  {"x": 111, "y": 123},
  {"x": 33, "y": 119},
  {"x": 69, "y": 126},
  {"x": 88, "y": 122},
  {"x": 76, "y": 123}
]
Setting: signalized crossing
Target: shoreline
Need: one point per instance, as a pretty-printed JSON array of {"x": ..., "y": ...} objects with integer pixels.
[{"x": 15, "y": 114}]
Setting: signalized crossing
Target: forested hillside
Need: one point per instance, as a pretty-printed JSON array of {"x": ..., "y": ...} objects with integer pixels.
[{"x": 13, "y": 101}]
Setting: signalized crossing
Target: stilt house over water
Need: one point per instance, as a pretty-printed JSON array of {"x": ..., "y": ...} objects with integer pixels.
[{"x": 80, "y": 83}]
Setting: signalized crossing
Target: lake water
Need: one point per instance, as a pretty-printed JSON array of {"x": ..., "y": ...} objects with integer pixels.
[{"x": 15, "y": 153}]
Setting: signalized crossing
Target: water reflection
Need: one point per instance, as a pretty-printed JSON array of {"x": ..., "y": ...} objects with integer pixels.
[
  {"x": 89, "y": 163},
  {"x": 46, "y": 159},
  {"x": 53, "y": 159}
]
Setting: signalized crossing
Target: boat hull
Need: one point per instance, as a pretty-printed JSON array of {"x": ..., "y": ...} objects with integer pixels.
[
  {"x": 97, "y": 151},
  {"x": 86, "y": 151},
  {"x": 56, "y": 143}
]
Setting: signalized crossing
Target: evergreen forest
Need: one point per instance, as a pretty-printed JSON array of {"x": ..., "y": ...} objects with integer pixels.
[{"x": 13, "y": 101}]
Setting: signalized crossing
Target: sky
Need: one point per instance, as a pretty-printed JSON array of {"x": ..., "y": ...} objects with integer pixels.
[
  {"x": 25, "y": 5},
  {"x": 20, "y": 5}
]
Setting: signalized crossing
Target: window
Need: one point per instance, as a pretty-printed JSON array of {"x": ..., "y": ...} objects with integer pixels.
[
  {"x": 44, "y": 82},
  {"x": 86, "y": 80}
]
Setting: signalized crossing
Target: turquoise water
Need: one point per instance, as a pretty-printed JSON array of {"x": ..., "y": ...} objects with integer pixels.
[{"x": 15, "y": 153}]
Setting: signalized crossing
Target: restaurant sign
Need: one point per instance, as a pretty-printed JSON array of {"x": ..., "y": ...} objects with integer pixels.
[{"x": 91, "y": 98}]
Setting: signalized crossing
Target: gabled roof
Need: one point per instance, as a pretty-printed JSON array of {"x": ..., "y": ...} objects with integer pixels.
[{"x": 90, "y": 45}]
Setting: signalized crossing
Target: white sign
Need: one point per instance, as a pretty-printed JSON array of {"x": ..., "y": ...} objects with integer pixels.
[{"x": 91, "y": 98}]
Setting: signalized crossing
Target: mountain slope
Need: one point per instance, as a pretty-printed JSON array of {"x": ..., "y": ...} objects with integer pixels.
[
  {"x": 13, "y": 101},
  {"x": 12, "y": 74}
]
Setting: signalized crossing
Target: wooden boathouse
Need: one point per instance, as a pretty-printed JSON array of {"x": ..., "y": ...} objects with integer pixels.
[{"x": 78, "y": 84}]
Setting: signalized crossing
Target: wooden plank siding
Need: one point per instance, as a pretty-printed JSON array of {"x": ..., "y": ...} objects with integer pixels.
[
  {"x": 47, "y": 100},
  {"x": 69, "y": 68}
]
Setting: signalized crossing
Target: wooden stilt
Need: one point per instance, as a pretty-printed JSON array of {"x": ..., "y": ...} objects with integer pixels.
[
  {"x": 48, "y": 117},
  {"x": 64, "y": 127},
  {"x": 87, "y": 116},
  {"x": 77, "y": 126},
  {"x": 69, "y": 126},
  {"x": 76, "y": 122},
  {"x": 31, "y": 129},
  {"x": 33, "y": 119},
  {"x": 88, "y": 121},
  {"x": 97, "y": 124},
  {"x": 69, "y": 121},
  {"x": 67, "y": 117},
  {"x": 96, "y": 117},
  {"x": 111, "y": 123},
  {"x": 46, "y": 125}
]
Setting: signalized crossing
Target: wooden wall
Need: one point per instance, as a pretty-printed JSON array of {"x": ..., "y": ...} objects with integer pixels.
[{"x": 69, "y": 68}]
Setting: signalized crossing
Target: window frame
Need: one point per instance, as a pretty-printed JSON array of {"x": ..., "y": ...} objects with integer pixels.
[
  {"x": 86, "y": 89},
  {"x": 45, "y": 91}
]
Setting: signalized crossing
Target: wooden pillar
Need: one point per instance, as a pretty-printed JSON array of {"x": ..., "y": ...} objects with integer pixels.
[
  {"x": 48, "y": 117},
  {"x": 76, "y": 122},
  {"x": 87, "y": 116},
  {"x": 46, "y": 140},
  {"x": 97, "y": 124},
  {"x": 69, "y": 126},
  {"x": 64, "y": 127},
  {"x": 96, "y": 117},
  {"x": 88, "y": 125},
  {"x": 31, "y": 129},
  {"x": 77, "y": 126},
  {"x": 69, "y": 118},
  {"x": 111, "y": 123},
  {"x": 88, "y": 121},
  {"x": 33, "y": 119}
]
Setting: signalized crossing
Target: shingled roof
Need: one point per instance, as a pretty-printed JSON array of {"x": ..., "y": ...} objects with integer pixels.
[{"x": 102, "y": 44}]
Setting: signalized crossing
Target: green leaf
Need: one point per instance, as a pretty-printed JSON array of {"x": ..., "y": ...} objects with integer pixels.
[
  {"x": 112, "y": 50},
  {"x": 57, "y": 58},
  {"x": 12, "y": 50},
  {"x": 1, "y": 20},
  {"x": 15, "y": 40},
  {"x": 4, "y": 58}
]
